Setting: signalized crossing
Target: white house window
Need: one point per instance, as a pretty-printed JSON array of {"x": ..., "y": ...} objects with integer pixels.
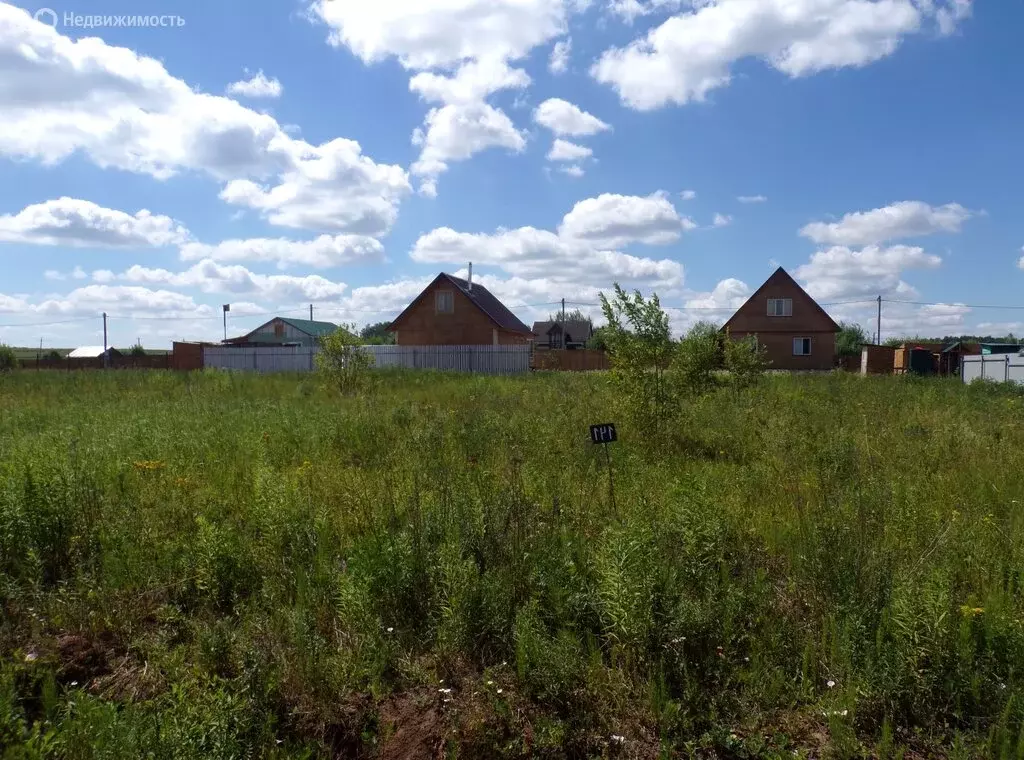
[
  {"x": 444, "y": 302},
  {"x": 801, "y": 346},
  {"x": 780, "y": 307}
]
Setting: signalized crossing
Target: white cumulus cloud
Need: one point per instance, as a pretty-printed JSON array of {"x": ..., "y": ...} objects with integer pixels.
[
  {"x": 692, "y": 53},
  {"x": 83, "y": 224},
  {"x": 842, "y": 273},
  {"x": 563, "y": 150},
  {"x": 611, "y": 220},
  {"x": 905, "y": 219},
  {"x": 567, "y": 119},
  {"x": 208, "y": 276},
  {"x": 258, "y": 86},
  {"x": 117, "y": 109},
  {"x": 559, "y": 61},
  {"x": 322, "y": 252},
  {"x": 580, "y": 251}
]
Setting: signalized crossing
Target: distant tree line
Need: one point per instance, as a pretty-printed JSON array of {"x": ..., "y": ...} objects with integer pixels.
[
  {"x": 377, "y": 334},
  {"x": 950, "y": 339}
]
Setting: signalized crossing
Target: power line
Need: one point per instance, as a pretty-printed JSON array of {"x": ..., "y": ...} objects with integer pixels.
[
  {"x": 963, "y": 305},
  {"x": 48, "y": 324}
]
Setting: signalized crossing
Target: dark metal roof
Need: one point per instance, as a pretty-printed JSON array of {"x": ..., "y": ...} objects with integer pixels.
[
  {"x": 481, "y": 297},
  {"x": 489, "y": 305},
  {"x": 312, "y": 327}
]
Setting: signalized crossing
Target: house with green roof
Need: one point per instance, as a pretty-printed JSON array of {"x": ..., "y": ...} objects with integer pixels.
[{"x": 284, "y": 331}]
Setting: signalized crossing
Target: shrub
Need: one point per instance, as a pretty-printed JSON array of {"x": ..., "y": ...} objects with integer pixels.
[
  {"x": 746, "y": 361},
  {"x": 8, "y": 361},
  {"x": 698, "y": 356},
  {"x": 342, "y": 360}
]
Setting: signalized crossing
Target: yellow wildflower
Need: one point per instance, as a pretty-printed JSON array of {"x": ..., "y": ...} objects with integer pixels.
[{"x": 149, "y": 464}]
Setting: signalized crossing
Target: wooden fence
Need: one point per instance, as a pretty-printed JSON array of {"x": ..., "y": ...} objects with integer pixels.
[
  {"x": 578, "y": 360},
  {"x": 150, "y": 361},
  {"x": 490, "y": 360}
]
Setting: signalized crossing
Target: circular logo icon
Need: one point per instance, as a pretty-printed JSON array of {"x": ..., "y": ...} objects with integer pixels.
[{"x": 46, "y": 16}]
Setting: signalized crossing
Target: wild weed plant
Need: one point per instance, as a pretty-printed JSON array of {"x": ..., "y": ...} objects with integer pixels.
[{"x": 228, "y": 565}]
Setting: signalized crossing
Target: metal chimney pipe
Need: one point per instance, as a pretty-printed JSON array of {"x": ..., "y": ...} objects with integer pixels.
[{"x": 470, "y": 280}]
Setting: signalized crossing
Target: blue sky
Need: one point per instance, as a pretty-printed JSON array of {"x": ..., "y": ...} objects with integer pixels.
[{"x": 342, "y": 154}]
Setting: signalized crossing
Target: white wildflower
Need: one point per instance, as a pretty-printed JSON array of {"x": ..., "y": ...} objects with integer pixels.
[
  {"x": 830, "y": 684},
  {"x": 74, "y": 683},
  {"x": 32, "y": 657},
  {"x": 618, "y": 739},
  {"x": 445, "y": 691},
  {"x": 499, "y": 691}
]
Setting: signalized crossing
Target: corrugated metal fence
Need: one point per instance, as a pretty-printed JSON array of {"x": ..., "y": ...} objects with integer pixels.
[
  {"x": 1000, "y": 367},
  {"x": 490, "y": 360},
  {"x": 261, "y": 359}
]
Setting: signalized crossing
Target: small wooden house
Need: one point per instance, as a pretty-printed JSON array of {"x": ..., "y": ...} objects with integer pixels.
[
  {"x": 455, "y": 312},
  {"x": 284, "y": 331},
  {"x": 569, "y": 334},
  {"x": 796, "y": 333}
]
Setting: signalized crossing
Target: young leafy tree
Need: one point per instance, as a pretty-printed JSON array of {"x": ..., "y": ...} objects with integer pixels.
[
  {"x": 641, "y": 349},
  {"x": 342, "y": 361},
  {"x": 137, "y": 350},
  {"x": 698, "y": 357},
  {"x": 599, "y": 339},
  {"x": 850, "y": 338}
]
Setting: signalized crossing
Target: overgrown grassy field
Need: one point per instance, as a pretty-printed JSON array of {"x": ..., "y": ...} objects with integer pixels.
[{"x": 227, "y": 566}]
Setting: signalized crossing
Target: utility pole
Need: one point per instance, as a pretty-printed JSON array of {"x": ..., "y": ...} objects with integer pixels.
[
  {"x": 106, "y": 356},
  {"x": 878, "y": 335},
  {"x": 311, "y": 312},
  {"x": 227, "y": 308},
  {"x": 563, "y": 309}
]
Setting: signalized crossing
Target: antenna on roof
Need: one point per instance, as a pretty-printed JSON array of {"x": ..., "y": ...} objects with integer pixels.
[{"x": 469, "y": 281}]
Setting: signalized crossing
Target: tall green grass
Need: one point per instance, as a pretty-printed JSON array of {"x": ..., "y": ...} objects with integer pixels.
[{"x": 225, "y": 565}]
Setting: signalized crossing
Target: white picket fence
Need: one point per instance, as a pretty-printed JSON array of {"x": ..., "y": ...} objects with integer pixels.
[
  {"x": 1003, "y": 368},
  {"x": 489, "y": 360}
]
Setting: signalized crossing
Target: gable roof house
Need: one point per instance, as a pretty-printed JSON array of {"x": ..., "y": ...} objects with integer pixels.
[
  {"x": 562, "y": 334},
  {"x": 284, "y": 331},
  {"x": 796, "y": 333},
  {"x": 455, "y": 312}
]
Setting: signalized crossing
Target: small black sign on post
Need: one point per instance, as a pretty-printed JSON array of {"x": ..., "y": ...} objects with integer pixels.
[{"x": 605, "y": 434}]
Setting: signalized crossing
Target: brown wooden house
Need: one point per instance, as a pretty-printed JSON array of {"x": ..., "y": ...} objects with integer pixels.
[
  {"x": 796, "y": 333},
  {"x": 455, "y": 312}
]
